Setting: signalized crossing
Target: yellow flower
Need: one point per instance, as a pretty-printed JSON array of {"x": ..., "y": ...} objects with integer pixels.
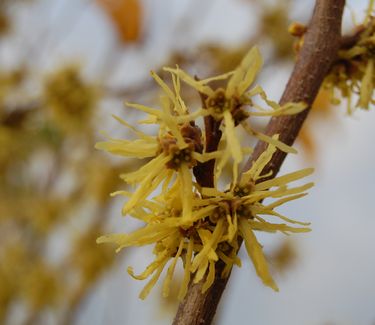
[
  {"x": 229, "y": 103},
  {"x": 354, "y": 71},
  {"x": 90, "y": 260},
  {"x": 42, "y": 286},
  {"x": 186, "y": 221},
  {"x": 218, "y": 221},
  {"x": 166, "y": 228},
  {"x": 70, "y": 99},
  {"x": 274, "y": 25},
  {"x": 176, "y": 149},
  {"x": 241, "y": 209}
]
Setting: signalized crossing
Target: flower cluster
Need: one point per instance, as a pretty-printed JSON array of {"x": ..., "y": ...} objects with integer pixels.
[
  {"x": 70, "y": 99},
  {"x": 39, "y": 126},
  {"x": 354, "y": 71},
  {"x": 186, "y": 220}
]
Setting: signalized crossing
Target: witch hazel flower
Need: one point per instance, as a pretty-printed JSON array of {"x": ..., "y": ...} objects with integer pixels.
[
  {"x": 220, "y": 220},
  {"x": 173, "y": 238},
  {"x": 242, "y": 210},
  {"x": 231, "y": 103},
  {"x": 354, "y": 71},
  {"x": 186, "y": 221},
  {"x": 172, "y": 152}
]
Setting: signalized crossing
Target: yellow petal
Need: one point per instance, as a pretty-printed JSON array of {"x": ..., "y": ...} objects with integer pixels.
[
  {"x": 273, "y": 227},
  {"x": 260, "y": 210},
  {"x": 150, "y": 268},
  {"x": 146, "y": 290},
  {"x": 206, "y": 156},
  {"x": 258, "y": 90},
  {"x": 211, "y": 244},
  {"x": 138, "y": 148},
  {"x": 146, "y": 187},
  {"x": 255, "y": 252},
  {"x": 205, "y": 236},
  {"x": 221, "y": 163},
  {"x": 201, "y": 271},
  {"x": 191, "y": 81},
  {"x": 228, "y": 259},
  {"x": 139, "y": 133},
  {"x": 170, "y": 122},
  {"x": 210, "y": 277},
  {"x": 284, "y": 191},
  {"x": 216, "y": 78},
  {"x": 285, "y": 179},
  {"x": 257, "y": 167},
  {"x": 278, "y": 144},
  {"x": 202, "y": 213},
  {"x": 181, "y": 119},
  {"x": 245, "y": 73},
  {"x": 367, "y": 86},
  {"x": 232, "y": 139},
  {"x": 186, "y": 193},
  {"x": 180, "y": 106},
  {"x": 169, "y": 276},
  {"x": 270, "y": 140},
  {"x": 283, "y": 200},
  {"x": 164, "y": 86},
  {"x": 144, "y": 108},
  {"x": 186, "y": 279},
  {"x": 210, "y": 191},
  {"x": 232, "y": 227}
]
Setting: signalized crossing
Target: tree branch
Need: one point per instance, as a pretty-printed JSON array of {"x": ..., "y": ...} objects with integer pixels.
[
  {"x": 319, "y": 50},
  {"x": 204, "y": 172}
]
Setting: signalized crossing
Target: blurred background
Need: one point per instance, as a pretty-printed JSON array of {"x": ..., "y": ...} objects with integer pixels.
[{"x": 66, "y": 66}]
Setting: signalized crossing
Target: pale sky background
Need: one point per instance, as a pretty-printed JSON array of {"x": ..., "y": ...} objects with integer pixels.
[{"x": 332, "y": 283}]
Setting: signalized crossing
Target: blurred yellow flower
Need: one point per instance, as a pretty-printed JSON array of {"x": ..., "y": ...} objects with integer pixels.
[
  {"x": 41, "y": 285},
  {"x": 70, "y": 99},
  {"x": 353, "y": 73},
  {"x": 88, "y": 258}
]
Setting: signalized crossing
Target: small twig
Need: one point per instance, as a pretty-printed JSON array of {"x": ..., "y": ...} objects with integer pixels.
[
  {"x": 204, "y": 172},
  {"x": 318, "y": 52},
  {"x": 347, "y": 41}
]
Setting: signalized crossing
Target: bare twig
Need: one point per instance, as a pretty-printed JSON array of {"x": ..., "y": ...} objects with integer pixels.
[
  {"x": 204, "y": 172},
  {"x": 318, "y": 52}
]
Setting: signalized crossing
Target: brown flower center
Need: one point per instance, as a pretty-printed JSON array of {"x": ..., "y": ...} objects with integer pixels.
[{"x": 168, "y": 145}]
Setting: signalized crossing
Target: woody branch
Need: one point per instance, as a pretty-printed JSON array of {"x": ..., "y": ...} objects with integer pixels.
[{"x": 319, "y": 50}]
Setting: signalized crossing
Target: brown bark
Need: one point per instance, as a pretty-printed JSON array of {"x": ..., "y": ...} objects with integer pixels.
[
  {"x": 204, "y": 172},
  {"x": 319, "y": 50}
]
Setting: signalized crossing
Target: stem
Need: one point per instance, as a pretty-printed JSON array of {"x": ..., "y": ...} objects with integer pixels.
[
  {"x": 204, "y": 172},
  {"x": 319, "y": 50}
]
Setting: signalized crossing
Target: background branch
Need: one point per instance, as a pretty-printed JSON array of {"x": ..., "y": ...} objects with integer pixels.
[{"x": 319, "y": 50}]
